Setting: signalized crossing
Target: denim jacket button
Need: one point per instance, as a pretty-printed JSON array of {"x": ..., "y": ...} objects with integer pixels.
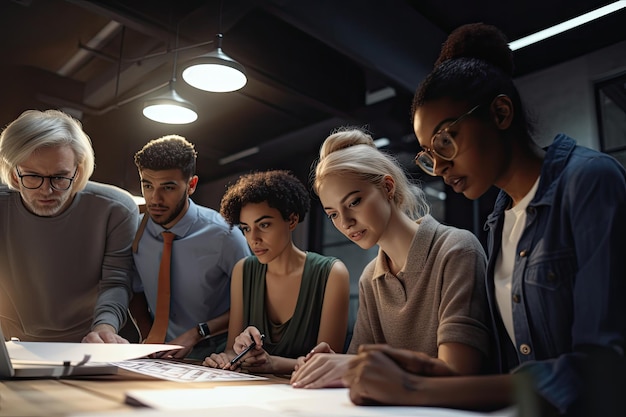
[
  {"x": 516, "y": 298},
  {"x": 523, "y": 253},
  {"x": 524, "y": 348}
]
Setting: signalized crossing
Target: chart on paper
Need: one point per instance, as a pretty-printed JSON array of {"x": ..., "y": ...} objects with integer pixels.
[{"x": 182, "y": 372}]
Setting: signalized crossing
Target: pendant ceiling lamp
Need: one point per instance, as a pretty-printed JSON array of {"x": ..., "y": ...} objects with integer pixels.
[
  {"x": 170, "y": 107},
  {"x": 215, "y": 71}
]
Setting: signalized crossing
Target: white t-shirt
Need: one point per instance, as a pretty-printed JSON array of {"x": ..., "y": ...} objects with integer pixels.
[{"x": 514, "y": 221}]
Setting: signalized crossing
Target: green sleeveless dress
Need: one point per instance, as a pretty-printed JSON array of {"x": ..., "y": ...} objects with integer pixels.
[{"x": 298, "y": 335}]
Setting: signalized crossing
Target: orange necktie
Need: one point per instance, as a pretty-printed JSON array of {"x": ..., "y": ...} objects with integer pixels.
[{"x": 162, "y": 315}]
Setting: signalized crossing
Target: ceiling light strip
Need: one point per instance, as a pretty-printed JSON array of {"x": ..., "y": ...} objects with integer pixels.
[
  {"x": 567, "y": 25},
  {"x": 238, "y": 155}
]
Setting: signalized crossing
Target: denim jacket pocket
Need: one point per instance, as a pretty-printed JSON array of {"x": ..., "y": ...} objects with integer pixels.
[
  {"x": 548, "y": 285},
  {"x": 551, "y": 270}
]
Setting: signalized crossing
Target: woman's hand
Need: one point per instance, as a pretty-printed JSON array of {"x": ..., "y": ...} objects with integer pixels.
[
  {"x": 219, "y": 360},
  {"x": 380, "y": 374},
  {"x": 323, "y": 347},
  {"x": 246, "y": 338},
  {"x": 320, "y": 368}
]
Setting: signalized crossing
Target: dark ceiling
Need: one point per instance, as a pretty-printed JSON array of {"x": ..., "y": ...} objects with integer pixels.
[{"x": 312, "y": 65}]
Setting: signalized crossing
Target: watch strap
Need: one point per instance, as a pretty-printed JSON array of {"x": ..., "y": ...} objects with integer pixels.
[{"x": 203, "y": 329}]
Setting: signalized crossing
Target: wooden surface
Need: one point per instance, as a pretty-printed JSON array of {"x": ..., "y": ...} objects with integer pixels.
[{"x": 63, "y": 397}]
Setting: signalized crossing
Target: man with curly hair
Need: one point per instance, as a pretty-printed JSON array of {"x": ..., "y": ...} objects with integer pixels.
[{"x": 204, "y": 251}]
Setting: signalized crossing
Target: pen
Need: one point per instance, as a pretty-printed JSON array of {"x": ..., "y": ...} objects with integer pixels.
[{"x": 243, "y": 352}]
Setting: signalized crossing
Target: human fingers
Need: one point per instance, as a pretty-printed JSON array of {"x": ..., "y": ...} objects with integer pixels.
[
  {"x": 322, "y": 347},
  {"x": 109, "y": 337},
  {"x": 180, "y": 353},
  {"x": 256, "y": 336},
  {"x": 374, "y": 378},
  {"x": 242, "y": 341},
  {"x": 92, "y": 337},
  {"x": 418, "y": 363},
  {"x": 216, "y": 360},
  {"x": 323, "y": 370},
  {"x": 299, "y": 363}
]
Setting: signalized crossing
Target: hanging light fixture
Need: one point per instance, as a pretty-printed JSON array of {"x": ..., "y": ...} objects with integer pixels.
[
  {"x": 170, "y": 107},
  {"x": 216, "y": 71}
]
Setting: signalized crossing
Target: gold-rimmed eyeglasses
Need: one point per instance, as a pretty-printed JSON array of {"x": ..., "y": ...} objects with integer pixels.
[
  {"x": 32, "y": 182},
  {"x": 442, "y": 145}
]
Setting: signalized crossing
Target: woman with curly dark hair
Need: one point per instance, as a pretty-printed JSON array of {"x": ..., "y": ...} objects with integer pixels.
[{"x": 294, "y": 298}]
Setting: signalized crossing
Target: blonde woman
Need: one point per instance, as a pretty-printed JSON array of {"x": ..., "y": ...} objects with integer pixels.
[{"x": 425, "y": 290}]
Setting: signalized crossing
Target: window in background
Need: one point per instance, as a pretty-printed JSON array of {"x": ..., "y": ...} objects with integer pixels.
[{"x": 611, "y": 116}]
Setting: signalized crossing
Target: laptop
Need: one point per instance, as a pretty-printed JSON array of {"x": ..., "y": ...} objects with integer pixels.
[{"x": 14, "y": 369}]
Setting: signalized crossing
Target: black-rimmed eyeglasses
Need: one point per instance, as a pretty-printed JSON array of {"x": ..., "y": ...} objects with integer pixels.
[
  {"x": 32, "y": 182},
  {"x": 442, "y": 145}
]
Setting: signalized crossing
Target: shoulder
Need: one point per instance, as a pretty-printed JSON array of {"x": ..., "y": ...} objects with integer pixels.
[
  {"x": 454, "y": 238},
  {"x": 110, "y": 196},
  {"x": 567, "y": 160},
  {"x": 368, "y": 272},
  {"x": 210, "y": 216},
  {"x": 314, "y": 257},
  {"x": 6, "y": 193},
  {"x": 592, "y": 164}
]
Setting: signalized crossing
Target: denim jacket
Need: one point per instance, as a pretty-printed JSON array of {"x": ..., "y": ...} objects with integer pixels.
[{"x": 568, "y": 287}]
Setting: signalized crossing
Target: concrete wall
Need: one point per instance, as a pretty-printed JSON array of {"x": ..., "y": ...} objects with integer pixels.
[{"x": 561, "y": 98}]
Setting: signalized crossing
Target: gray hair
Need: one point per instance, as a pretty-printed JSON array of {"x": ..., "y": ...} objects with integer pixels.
[{"x": 35, "y": 129}]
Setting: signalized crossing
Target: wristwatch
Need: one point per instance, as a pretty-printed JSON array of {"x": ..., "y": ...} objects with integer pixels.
[{"x": 203, "y": 329}]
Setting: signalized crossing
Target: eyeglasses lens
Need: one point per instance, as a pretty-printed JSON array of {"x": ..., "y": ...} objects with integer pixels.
[
  {"x": 443, "y": 145},
  {"x": 35, "y": 181}
]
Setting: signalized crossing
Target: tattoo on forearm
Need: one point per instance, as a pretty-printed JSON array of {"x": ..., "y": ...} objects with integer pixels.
[{"x": 408, "y": 384}]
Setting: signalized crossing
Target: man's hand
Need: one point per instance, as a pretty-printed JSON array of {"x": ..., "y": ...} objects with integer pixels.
[
  {"x": 188, "y": 340},
  {"x": 103, "y": 333}
]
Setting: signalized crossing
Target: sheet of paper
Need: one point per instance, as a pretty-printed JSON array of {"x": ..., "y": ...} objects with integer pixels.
[
  {"x": 215, "y": 412},
  {"x": 282, "y": 399},
  {"x": 182, "y": 372},
  {"x": 57, "y": 352}
]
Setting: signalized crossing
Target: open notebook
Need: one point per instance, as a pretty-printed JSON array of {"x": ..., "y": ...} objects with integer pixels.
[
  {"x": 8, "y": 369},
  {"x": 61, "y": 359}
]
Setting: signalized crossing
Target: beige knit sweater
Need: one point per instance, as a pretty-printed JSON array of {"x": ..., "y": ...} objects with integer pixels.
[{"x": 439, "y": 296}]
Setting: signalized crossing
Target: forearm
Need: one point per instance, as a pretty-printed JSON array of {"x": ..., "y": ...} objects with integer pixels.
[
  {"x": 111, "y": 307},
  {"x": 219, "y": 324},
  {"x": 467, "y": 392},
  {"x": 104, "y": 328},
  {"x": 282, "y": 365}
]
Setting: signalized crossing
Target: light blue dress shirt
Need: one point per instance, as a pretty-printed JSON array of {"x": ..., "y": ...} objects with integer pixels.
[{"x": 204, "y": 253}]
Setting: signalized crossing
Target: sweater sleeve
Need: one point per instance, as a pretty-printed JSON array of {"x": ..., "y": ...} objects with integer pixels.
[
  {"x": 117, "y": 265},
  {"x": 362, "y": 332},
  {"x": 463, "y": 307}
]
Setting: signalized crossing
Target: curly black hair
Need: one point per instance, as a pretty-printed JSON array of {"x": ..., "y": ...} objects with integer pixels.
[
  {"x": 281, "y": 189},
  {"x": 168, "y": 152}
]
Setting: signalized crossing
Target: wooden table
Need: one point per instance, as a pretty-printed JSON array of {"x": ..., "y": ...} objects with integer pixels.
[{"x": 63, "y": 397}]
